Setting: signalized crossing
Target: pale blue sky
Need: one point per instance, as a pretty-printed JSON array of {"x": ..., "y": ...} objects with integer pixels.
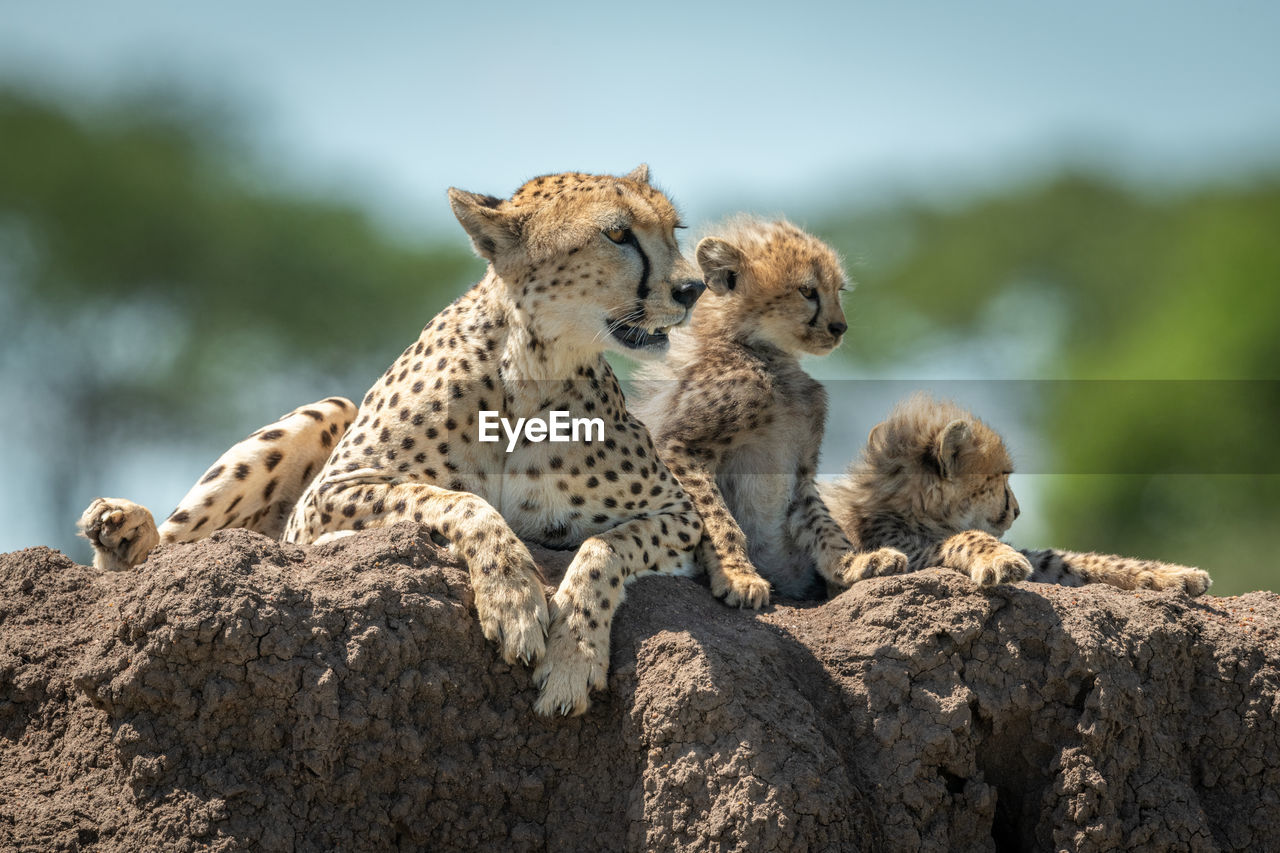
[{"x": 772, "y": 105}]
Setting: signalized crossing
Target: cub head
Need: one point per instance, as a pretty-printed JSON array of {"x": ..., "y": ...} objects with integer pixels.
[
  {"x": 590, "y": 261},
  {"x": 936, "y": 462},
  {"x": 772, "y": 282}
]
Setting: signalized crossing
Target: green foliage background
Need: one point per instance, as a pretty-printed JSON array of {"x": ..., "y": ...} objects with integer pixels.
[{"x": 155, "y": 284}]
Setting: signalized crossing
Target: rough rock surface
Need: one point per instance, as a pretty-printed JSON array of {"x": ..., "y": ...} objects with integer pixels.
[{"x": 239, "y": 694}]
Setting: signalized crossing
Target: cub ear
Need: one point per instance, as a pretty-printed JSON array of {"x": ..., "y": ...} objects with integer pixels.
[
  {"x": 720, "y": 263},
  {"x": 491, "y": 229},
  {"x": 640, "y": 174},
  {"x": 944, "y": 455}
]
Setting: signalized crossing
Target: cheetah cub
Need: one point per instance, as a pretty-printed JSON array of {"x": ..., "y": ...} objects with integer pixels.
[
  {"x": 933, "y": 481},
  {"x": 739, "y": 422}
]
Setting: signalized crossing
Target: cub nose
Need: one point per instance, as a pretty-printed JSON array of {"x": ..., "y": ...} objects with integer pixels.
[
  {"x": 838, "y": 328},
  {"x": 687, "y": 292},
  {"x": 1017, "y": 511}
]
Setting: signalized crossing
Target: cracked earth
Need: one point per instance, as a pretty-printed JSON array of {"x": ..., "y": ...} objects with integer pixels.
[{"x": 240, "y": 694}]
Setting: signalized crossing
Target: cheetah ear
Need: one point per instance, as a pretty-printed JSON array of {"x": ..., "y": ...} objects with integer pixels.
[
  {"x": 944, "y": 455},
  {"x": 720, "y": 263},
  {"x": 640, "y": 174},
  {"x": 492, "y": 230}
]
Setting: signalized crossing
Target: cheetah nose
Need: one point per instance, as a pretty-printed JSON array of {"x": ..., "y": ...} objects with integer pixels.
[
  {"x": 838, "y": 329},
  {"x": 687, "y": 292},
  {"x": 1017, "y": 511}
]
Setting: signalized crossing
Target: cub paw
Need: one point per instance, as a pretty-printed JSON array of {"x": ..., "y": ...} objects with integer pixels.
[
  {"x": 1005, "y": 566},
  {"x": 740, "y": 586},
  {"x": 512, "y": 609},
  {"x": 121, "y": 532},
  {"x": 571, "y": 669},
  {"x": 858, "y": 566}
]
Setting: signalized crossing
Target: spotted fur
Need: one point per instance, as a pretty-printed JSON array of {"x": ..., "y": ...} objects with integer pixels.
[
  {"x": 933, "y": 481},
  {"x": 254, "y": 485},
  {"x": 578, "y": 264},
  {"x": 740, "y": 422}
]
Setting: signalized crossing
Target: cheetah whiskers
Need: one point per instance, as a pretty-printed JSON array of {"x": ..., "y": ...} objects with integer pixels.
[{"x": 630, "y": 318}]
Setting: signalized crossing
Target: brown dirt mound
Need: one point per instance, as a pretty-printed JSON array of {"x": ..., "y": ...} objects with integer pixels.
[{"x": 239, "y": 694}]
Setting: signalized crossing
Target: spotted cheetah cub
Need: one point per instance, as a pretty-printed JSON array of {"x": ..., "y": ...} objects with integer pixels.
[
  {"x": 739, "y": 422},
  {"x": 933, "y": 481}
]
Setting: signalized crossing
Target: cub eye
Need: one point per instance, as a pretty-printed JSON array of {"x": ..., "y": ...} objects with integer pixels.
[
  {"x": 809, "y": 293},
  {"x": 619, "y": 235}
]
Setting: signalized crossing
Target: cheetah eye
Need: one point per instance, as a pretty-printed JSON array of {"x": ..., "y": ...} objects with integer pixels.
[
  {"x": 619, "y": 235},
  {"x": 809, "y": 293}
]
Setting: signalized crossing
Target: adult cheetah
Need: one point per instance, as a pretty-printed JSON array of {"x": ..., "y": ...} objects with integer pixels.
[{"x": 578, "y": 264}]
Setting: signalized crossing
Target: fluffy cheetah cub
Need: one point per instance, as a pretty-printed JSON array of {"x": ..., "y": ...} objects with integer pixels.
[
  {"x": 740, "y": 423},
  {"x": 933, "y": 481}
]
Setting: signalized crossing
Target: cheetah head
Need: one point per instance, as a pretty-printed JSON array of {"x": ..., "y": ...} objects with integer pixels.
[
  {"x": 590, "y": 261},
  {"x": 936, "y": 461},
  {"x": 775, "y": 283}
]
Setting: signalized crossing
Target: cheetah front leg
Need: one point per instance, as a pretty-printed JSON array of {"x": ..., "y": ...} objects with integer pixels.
[
  {"x": 723, "y": 549},
  {"x": 984, "y": 558},
  {"x": 839, "y": 560},
  {"x": 509, "y": 599},
  {"x": 1070, "y": 568},
  {"x": 577, "y": 659},
  {"x": 253, "y": 485}
]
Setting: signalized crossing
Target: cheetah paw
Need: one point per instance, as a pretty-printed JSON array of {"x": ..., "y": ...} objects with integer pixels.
[
  {"x": 512, "y": 609},
  {"x": 740, "y": 587},
  {"x": 856, "y": 566},
  {"x": 568, "y": 673},
  {"x": 1007, "y": 566},
  {"x": 121, "y": 532},
  {"x": 332, "y": 536}
]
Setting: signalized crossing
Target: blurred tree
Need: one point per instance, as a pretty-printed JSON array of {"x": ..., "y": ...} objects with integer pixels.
[
  {"x": 146, "y": 279},
  {"x": 1134, "y": 289}
]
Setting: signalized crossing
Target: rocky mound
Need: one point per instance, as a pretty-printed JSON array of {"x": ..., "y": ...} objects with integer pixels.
[{"x": 239, "y": 694}]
